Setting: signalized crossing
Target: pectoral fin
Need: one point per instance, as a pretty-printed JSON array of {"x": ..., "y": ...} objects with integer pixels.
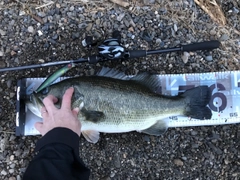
[
  {"x": 91, "y": 135},
  {"x": 156, "y": 129},
  {"x": 93, "y": 116}
]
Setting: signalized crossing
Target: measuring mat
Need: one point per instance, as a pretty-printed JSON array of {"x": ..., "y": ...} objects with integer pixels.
[{"x": 224, "y": 103}]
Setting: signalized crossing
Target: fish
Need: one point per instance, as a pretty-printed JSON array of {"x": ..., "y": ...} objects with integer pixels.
[{"x": 111, "y": 102}]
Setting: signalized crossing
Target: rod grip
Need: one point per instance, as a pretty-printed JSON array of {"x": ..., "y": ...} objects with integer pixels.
[
  {"x": 136, "y": 53},
  {"x": 207, "y": 45}
]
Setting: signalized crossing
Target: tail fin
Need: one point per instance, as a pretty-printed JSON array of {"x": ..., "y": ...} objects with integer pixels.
[{"x": 197, "y": 100}]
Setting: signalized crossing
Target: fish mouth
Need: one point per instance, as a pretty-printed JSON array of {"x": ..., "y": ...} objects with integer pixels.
[{"x": 34, "y": 104}]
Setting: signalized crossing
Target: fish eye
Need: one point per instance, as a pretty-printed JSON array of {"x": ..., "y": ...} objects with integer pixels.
[{"x": 45, "y": 91}]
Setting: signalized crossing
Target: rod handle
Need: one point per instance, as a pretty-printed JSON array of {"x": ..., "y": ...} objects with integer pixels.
[
  {"x": 207, "y": 45},
  {"x": 135, "y": 54}
]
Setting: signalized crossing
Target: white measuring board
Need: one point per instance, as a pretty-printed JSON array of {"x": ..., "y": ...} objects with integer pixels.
[{"x": 224, "y": 103}]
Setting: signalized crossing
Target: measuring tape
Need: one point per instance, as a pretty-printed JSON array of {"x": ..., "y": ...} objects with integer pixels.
[{"x": 224, "y": 103}]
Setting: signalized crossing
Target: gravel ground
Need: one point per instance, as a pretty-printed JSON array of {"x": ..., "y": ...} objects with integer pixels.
[{"x": 32, "y": 34}]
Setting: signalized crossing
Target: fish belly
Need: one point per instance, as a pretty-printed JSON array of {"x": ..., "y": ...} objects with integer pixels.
[{"x": 118, "y": 124}]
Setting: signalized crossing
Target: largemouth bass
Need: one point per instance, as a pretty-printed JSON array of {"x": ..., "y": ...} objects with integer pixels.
[{"x": 121, "y": 104}]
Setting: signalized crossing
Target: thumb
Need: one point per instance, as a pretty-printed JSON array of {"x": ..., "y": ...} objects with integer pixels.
[
  {"x": 39, "y": 126},
  {"x": 75, "y": 111}
]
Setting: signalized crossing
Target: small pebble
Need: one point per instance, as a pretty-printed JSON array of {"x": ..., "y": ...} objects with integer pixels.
[
  {"x": 84, "y": 43},
  {"x": 71, "y": 8},
  {"x": 29, "y": 40},
  {"x": 148, "y": 2},
  {"x": 11, "y": 171},
  {"x": 2, "y": 32},
  {"x": 224, "y": 37},
  {"x": 185, "y": 57},
  {"x": 146, "y": 138},
  {"x": 209, "y": 58},
  {"x": 213, "y": 32},
  {"x": 41, "y": 14},
  {"x": 21, "y": 13},
  {"x": 12, "y": 178},
  {"x": 3, "y": 172},
  {"x": 175, "y": 27},
  {"x": 158, "y": 41},
  {"x": 120, "y": 17},
  {"x": 178, "y": 162},
  {"x": 89, "y": 27},
  {"x": 9, "y": 83},
  {"x": 11, "y": 157},
  {"x": 30, "y": 29},
  {"x": 184, "y": 158},
  {"x": 194, "y": 133},
  {"x": 99, "y": 163},
  {"x": 112, "y": 174},
  {"x": 12, "y": 166},
  {"x": 40, "y": 33}
]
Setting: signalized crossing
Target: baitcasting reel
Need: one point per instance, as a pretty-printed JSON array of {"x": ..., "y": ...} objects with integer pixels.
[{"x": 111, "y": 49}]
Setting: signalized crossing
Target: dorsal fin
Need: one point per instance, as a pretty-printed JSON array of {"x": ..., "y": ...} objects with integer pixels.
[
  {"x": 112, "y": 73},
  {"x": 149, "y": 80}
]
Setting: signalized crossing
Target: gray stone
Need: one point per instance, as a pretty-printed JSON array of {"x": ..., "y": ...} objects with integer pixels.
[
  {"x": 224, "y": 37},
  {"x": 31, "y": 29},
  {"x": 2, "y": 64},
  {"x": 185, "y": 57},
  {"x": 209, "y": 58},
  {"x": 12, "y": 166},
  {"x": 117, "y": 162},
  {"x": 71, "y": 8},
  {"x": 120, "y": 17},
  {"x": 12, "y": 178},
  {"x": 99, "y": 163},
  {"x": 175, "y": 27},
  {"x": 112, "y": 174},
  {"x": 11, "y": 171},
  {"x": 9, "y": 83},
  {"x": 29, "y": 40},
  {"x": 2, "y": 32},
  {"x": 178, "y": 162},
  {"x": 148, "y": 2},
  {"x": 3, "y": 172},
  {"x": 194, "y": 133},
  {"x": 158, "y": 41},
  {"x": 41, "y": 14}
]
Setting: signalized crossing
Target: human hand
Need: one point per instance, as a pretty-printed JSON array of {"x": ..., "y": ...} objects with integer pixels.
[{"x": 63, "y": 117}]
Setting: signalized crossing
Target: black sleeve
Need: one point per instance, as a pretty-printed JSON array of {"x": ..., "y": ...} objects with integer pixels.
[{"x": 57, "y": 158}]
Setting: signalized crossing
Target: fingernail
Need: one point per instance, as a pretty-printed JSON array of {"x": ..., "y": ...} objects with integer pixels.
[{"x": 71, "y": 88}]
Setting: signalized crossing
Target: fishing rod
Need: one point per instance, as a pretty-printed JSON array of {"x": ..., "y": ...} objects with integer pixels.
[{"x": 111, "y": 49}]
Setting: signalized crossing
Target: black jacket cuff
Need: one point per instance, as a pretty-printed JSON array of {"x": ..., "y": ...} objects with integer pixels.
[{"x": 59, "y": 135}]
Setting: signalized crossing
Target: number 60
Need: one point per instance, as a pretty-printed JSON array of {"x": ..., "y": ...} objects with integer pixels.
[{"x": 219, "y": 96}]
